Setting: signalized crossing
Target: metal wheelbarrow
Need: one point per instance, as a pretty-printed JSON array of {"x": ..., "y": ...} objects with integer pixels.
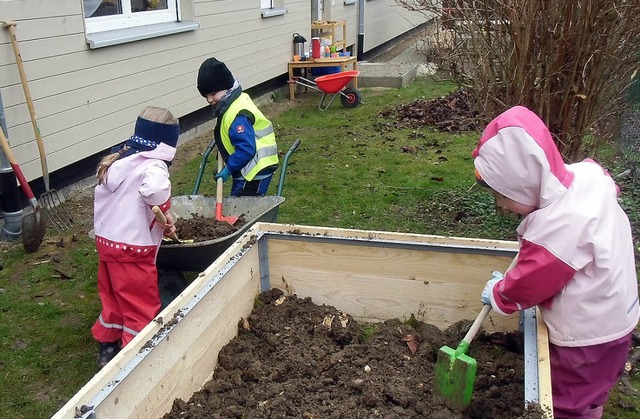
[
  {"x": 197, "y": 256},
  {"x": 333, "y": 84}
]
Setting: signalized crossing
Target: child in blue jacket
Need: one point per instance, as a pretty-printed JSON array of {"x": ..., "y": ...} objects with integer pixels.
[{"x": 243, "y": 135}]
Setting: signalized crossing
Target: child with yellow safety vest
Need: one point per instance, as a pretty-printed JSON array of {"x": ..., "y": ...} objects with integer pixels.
[{"x": 243, "y": 135}]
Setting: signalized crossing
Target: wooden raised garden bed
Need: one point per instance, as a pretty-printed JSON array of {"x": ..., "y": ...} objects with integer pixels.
[{"x": 372, "y": 276}]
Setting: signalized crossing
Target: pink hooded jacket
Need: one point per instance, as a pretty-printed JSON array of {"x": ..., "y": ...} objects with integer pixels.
[
  {"x": 576, "y": 256},
  {"x": 124, "y": 224}
]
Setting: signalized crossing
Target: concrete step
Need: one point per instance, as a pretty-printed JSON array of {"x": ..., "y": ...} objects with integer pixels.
[{"x": 386, "y": 74}]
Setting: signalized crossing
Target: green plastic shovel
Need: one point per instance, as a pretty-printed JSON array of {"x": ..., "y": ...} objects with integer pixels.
[{"x": 455, "y": 370}]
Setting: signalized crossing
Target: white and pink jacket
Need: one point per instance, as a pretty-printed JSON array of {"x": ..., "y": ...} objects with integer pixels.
[
  {"x": 576, "y": 259},
  {"x": 124, "y": 224}
]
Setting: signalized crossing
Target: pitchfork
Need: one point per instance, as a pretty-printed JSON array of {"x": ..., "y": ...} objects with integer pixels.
[{"x": 59, "y": 215}]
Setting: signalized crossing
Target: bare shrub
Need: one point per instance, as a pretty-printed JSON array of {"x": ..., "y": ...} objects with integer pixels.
[{"x": 570, "y": 61}]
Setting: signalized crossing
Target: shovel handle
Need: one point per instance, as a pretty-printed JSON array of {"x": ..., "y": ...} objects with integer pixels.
[
  {"x": 473, "y": 330},
  {"x": 231, "y": 219},
  {"x": 17, "y": 170},
  {"x": 219, "y": 183},
  {"x": 163, "y": 220}
]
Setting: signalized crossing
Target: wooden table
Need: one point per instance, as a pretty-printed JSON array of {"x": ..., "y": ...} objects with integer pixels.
[{"x": 341, "y": 62}]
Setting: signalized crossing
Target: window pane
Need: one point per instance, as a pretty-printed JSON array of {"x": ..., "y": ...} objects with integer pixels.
[
  {"x": 95, "y": 8},
  {"x": 146, "y": 5},
  {"x": 124, "y": 13}
]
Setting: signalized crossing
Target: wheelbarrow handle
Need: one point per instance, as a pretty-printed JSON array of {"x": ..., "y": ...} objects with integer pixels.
[
  {"x": 203, "y": 163},
  {"x": 285, "y": 161},
  {"x": 293, "y": 148}
]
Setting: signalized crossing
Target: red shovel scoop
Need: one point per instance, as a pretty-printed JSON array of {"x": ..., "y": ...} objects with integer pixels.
[{"x": 231, "y": 219}]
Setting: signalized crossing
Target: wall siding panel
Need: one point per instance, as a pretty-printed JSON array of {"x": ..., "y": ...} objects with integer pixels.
[{"x": 385, "y": 20}]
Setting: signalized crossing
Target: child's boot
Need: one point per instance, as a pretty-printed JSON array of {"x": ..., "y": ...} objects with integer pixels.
[{"x": 106, "y": 352}]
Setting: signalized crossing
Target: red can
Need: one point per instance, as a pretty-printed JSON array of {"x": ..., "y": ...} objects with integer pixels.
[{"x": 316, "y": 47}]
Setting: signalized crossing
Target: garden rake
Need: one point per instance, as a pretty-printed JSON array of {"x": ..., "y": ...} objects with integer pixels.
[{"x": 58, "y": 214}]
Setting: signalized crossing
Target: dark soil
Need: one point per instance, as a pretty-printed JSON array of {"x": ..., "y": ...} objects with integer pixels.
[
  {"x": 293, "y": 358},
  {"x": 199, "y": 228}
]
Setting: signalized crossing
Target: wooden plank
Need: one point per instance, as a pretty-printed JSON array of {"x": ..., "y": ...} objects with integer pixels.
[
  {"x": 217, "y": 8},
  {"x": 203, "y": 8},
  {"x": 388, "y": 20},
  {"x": 38, "y": 9},
  {"x": 56, "y": 46},
  {"x": 544, "y": 366},
  {"x": 375, "y": 283},
  {"x": 332, "y": 60},
  {"x": 396, "y": 237},
  {"x": 49, "y": 27}
]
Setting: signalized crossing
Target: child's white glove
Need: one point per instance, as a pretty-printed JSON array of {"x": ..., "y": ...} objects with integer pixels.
[{"x": 488, "y": 288}]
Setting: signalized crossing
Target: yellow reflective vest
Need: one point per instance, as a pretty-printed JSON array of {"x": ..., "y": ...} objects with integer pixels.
[{"x": 266, "y": 147}]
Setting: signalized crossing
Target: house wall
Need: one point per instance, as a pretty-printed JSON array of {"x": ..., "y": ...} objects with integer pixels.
[
  {"x": 87, "y": 100},
  {"x": 385, "y": 20},
  {"x": 337, "y": 10}
]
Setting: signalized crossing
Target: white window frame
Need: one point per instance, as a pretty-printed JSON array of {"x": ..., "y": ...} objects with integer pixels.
[
  {"x": 103, "y": 31},
  {"x": 271, "y": 8},
  {"x": 129, "y": 19}
]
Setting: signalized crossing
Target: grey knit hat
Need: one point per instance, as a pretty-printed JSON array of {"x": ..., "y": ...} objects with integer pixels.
[{"x": 214, "y": 76}]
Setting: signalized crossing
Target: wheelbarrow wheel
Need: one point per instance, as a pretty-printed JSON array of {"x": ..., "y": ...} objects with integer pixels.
[{"x": 350, "y": 97}]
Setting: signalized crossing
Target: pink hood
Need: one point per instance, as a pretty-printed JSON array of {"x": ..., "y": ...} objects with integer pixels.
[{"x": 516, "y": 156}]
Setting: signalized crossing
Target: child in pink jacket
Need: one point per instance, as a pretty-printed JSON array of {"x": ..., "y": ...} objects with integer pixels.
[
  {"x": 576, "y": 257},
  {"x": 130, "y": 183}
]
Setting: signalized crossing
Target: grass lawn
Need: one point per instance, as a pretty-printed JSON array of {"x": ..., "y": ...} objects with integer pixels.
[{"x": 353, "y": 169}]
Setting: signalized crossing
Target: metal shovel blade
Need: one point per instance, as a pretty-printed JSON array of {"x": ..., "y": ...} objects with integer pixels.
[
  {"x": 34, "y": 227},
  {"x": 231, "y": 219},
  {"x": 455, "y": 374}
]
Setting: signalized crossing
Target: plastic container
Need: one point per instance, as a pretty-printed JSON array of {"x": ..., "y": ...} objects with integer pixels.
[
  {"x": 315, "y": 47},
  {"x": 298, "y": 45},
  {"x": 323, "y": 71}
]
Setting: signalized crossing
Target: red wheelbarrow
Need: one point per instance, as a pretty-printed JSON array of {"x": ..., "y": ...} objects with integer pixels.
[{"x": 334, "y": 84}]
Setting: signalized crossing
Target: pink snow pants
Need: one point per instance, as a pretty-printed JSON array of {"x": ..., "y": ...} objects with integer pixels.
[{"x": 581, "y": 377}]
